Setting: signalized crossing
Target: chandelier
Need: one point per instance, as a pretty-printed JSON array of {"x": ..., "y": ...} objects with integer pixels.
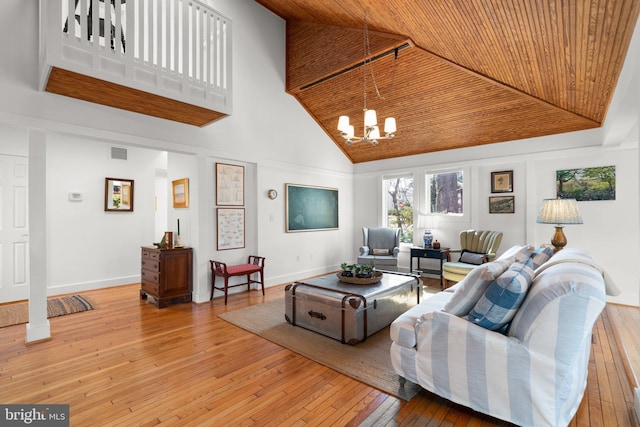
[{"x": 371, "y": 129}]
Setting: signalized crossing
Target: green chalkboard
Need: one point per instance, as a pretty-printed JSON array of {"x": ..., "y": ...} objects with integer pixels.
[{"x": 311, "y": 208}]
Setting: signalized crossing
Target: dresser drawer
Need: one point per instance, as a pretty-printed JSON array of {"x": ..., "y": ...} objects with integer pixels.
[
  {"x": 150, "y": 264},
  {"x": 150, "y": 287},
  {"x": 150, "y": 254},
  {"x": 150, "y": 276}
]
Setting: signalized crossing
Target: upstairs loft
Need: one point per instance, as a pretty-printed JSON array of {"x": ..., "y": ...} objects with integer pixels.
[{"x": 169, "y": 59}]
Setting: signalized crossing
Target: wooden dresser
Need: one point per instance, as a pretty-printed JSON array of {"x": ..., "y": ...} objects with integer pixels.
[{"x": 166, "y": 275}]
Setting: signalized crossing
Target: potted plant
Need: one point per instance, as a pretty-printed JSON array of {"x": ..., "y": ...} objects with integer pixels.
[
  {"x": 365, "y": 271},
  {"x": 347, "y": 269}
]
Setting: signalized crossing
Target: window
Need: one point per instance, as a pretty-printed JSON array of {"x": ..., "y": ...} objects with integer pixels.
[
  {"x": 398, "y": 205},
  {"x": 444, "y": 193}
]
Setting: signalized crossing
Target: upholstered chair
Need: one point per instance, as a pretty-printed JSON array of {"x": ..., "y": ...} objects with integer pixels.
[
  {"x": 476, "y": 247},
  {"x": 380, "y": 248}
]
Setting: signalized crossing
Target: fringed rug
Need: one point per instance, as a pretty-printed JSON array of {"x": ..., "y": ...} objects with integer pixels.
[
  {"x": 368, "y": 361},
  {"x": 17, "y": 313}
]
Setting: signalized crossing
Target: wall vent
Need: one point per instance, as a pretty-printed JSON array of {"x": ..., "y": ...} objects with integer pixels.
[{"x": 118, "y": 153}]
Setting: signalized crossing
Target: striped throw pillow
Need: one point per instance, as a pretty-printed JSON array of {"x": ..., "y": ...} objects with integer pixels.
[{"x": 473, "y": 286}]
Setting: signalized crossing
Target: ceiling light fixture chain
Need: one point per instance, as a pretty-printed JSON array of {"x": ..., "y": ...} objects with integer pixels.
[
  {"x": 371, "y": 130},
  {"x": 369, "y": 55}
]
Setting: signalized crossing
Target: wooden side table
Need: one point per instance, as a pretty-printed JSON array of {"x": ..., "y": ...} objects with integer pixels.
[
  {"x": 442, "y": 254},
  {"x": 166, "y": 275}
]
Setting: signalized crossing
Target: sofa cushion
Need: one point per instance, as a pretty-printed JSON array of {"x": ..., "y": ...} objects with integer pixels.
[
  {"x": 502, "y": 298},
  {"x": 469, "y": 290}
]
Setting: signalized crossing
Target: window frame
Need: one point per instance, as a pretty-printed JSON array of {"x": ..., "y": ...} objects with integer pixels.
[
  {"x": 466, "y": 202},
  {"x": 384, "y": 195}
]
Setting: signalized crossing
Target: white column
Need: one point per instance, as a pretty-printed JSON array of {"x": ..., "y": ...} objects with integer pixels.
[
  {"x": 38, "y": 327},
  {"x": 201, "y": 207}
]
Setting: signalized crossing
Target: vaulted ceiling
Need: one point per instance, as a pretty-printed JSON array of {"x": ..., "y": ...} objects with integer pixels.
[{"x": 472, "y": 72}]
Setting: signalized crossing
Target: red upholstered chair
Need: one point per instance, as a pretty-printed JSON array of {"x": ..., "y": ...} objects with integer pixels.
[{"x": 255, "y": 264}]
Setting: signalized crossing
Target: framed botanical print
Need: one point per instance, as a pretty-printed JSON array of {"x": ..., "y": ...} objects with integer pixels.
[
  {"x": 229, "y": 185},
  {"x": 502, "y": 182},
  {"x": 230, "y": 228}
]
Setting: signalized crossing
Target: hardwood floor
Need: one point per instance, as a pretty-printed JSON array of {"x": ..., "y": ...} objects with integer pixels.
[{"x": 128, "y": 363}]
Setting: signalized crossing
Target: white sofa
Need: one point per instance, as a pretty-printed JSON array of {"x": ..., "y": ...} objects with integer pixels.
[{"x": 534, "y": 371}]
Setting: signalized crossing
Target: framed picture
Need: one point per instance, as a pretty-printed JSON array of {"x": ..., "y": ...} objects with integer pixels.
[
  {"x": 229, "y": 185},
  {"x": 180, "y": 193},
  {"x": 501, "y": 204},
  {"x": 502, "y": 182},
  {"x": 118, "y": 195},
  {"x": 587, "y": 184},
  {"x": 310, "y": 208},
  {"x": 230, "y": 228}
]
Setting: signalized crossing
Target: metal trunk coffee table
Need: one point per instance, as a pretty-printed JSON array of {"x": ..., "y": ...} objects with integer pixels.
[{"x": 350, "y": 312}]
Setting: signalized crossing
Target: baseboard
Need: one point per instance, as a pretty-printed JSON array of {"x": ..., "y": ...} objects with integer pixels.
[
  {"x": 89, "y": 286},
  {"x": 636, "y": 402}
]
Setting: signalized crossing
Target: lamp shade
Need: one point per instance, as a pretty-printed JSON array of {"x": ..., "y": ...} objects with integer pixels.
[
  {"x": 350, "y": 131},
  {"x": 375, "y": 133},
  {"x": 343, "y": 123},
  {"x": 389, "y": 125},
  {"x": 559, "y": 211},
  {"x": 370, "y": 118}
]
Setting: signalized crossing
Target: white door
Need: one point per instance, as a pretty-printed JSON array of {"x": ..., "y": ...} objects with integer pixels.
[{"x": 14, "y": 229}]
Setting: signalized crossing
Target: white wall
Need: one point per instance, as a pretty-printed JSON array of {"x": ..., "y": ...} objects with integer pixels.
[
  {"x": 610, "y": 230},
  {"x": 88, "y": 247}
]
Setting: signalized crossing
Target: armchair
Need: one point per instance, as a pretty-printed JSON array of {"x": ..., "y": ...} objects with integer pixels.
[
  {"x": 380, "y": 248},
  {"x": 476, "y": 247}
]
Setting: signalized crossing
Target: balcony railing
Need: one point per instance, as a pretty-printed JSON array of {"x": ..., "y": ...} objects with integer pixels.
[{"x": 179, "y": 49}]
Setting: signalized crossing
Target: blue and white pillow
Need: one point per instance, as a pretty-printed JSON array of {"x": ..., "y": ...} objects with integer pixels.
[
  {"x": 473, "y": 286},
  {"x": 499, "y": 304}
]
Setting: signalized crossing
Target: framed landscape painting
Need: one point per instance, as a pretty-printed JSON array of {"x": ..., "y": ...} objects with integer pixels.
[
  {"x": 310, "y": 208},
  {"x": 501, "y": 204},
  {"x": 586, "y": 184},
  {"x": 180, "y": 192}
]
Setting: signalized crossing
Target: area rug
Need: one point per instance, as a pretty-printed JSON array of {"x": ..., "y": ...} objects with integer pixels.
[
  {"x": 368, "y": 361},
  {"x": 15, "y": 314}
]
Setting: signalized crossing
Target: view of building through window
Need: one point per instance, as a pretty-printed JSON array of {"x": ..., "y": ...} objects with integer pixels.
[
  {"x": 398, "y": 199},
  {"x": 444, "y": 193}
]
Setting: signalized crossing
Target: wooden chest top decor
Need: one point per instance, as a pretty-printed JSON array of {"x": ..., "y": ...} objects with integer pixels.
[{"x": 166, "y": 275}]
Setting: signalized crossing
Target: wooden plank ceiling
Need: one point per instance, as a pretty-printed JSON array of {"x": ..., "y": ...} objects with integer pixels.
[{"x": 475, "y": 72}]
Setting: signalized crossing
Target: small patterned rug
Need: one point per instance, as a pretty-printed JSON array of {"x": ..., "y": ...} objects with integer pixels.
[{"x": 17, "y": 313}]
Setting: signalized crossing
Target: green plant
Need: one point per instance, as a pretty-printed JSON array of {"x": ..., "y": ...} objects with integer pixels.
[
  {"x": 348, "y": 269},
  {"x": 357, "y": 270}
]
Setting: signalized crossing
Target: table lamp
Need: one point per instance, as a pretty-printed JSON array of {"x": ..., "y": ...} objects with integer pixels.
[{"x": 559, "y": 212}]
